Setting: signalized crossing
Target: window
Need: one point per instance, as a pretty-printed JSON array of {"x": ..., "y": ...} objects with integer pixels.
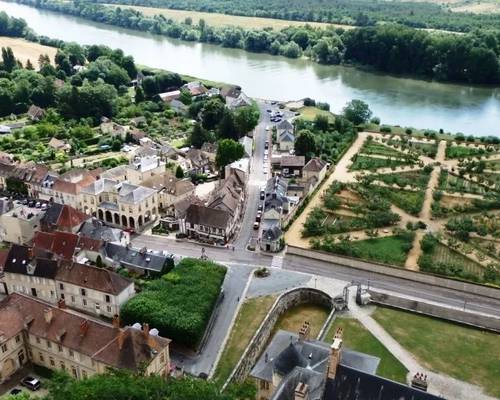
[
  {"x": 4, "y": 348},
  {"x": 37, "y": 339},
  {"x": 18, "y": 339},
  {"x": 52, "y": 293},
  {"x": 72, "y": 299},
  {"x": 74, "y": 372},
  {"x": 97, "y": 307},
  {"x": 84, "y": 374},
  {"x": 63, "y": 366},
  {"x": 71, "y": 353},
  {"x": 61, "y": 286},
  {"x": 83, "y": 292},
  {"x": 49, "y": 345},
  {"x": 20, "y": 356},
  {"x": 108, "y": 298},
  {"x": 62, "y": 296},
  {"x": 108, "y": 308},
  {"x": 52, "y": 362},
  {"x": 84, "y": 302},
  {"x": 30, "y": 354},
  {"x": 59, "y": 347},
  {"x": 162, "y": 357},
  {"x": 40, "y": 356}
]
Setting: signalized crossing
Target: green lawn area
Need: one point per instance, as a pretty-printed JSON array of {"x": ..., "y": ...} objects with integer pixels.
[
  {"x": 372, "y": 163},
  {"x": 445, "y": 255},
  {"x": 410, "y": 201},
  {"x": 251, "y": 315},
  {"x": 464, "y": 353},
  {"x": 390, "y": 249},
  {"x": 463, "y": 152},
  {"x": 357, "y": 337},
  {"x": 309, "y": 113},
  {"x": 293, "y": 319}
]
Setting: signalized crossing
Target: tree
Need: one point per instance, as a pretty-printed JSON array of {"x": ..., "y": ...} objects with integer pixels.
[
  {"x": 227, "y": 127},
  {"x": 198, "y": 136},
  {"x": 139, "y": 95},
  {"x": 8, "y": 60},
  {"x": 179, "y": 172},
  {"x": 321, "y": 122},
  {"x": 29, "y": 65},
  {"x": 228, "y": 151},
  {"x": 357, "y": 111},
  {"x": 212, "y": 113},
  {"x": 305, "y": 144},
  {"x": 246, "y": 119}
]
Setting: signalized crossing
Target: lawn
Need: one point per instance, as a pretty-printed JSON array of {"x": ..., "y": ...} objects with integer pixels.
[
  {"x": 410, "y": 201},
  {"x": 464, "y": 353},
  {"x": 372, "y": 163},
  {"x": 293, "y": 319},
  {"x": 218, "y": 20},
  {"x": 24, "y": 50},
  {"x": 357, "y": 337},
  {"x": 251, "y": 315},
  {"x": 417, "y": 179},
  {"x": 309, "y": 113},
  {"x": 463, "y": 152}
]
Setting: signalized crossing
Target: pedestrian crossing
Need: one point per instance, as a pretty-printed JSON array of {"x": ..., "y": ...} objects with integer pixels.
[{"x": 277, "y": 262}]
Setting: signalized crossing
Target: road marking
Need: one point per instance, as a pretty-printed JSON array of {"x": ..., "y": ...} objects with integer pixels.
[{"x": 277, "y": 262}]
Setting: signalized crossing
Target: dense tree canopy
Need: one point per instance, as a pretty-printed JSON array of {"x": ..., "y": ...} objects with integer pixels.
[
  {"x": 357, "y": 111},
  {"x": 228, "y": 151}
]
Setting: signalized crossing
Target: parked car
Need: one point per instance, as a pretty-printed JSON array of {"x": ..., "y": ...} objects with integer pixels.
[
  {"x": 262, "y": 195},
  {"x": 31, "y": 383},
  {"x": 256, "y": 225},
  {"x": 260, "y": 207},
  {"x": 269, "y": 110},
  {"x": 266, "y": 145},
  {"x": 259, "y": 216}
]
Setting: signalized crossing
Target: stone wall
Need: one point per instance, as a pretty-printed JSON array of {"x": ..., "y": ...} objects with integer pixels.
[
  {"x": 287, "y": 300},
  {"x": 396, "y": 272},
  {"x": 434, "y": 310}
]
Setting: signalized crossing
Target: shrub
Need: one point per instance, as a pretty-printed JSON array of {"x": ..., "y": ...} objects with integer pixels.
[
  {"x": 385, "y": 129},
  {"x": 308, "y": 102},
  {"x": 323, "y": 106},
  {"x": 375, "y": 120},
  {"x": 408, "y": 131},
  {"x": 179, "y": 304}
]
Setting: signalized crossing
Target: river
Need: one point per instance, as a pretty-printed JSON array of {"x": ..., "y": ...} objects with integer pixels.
[{"x": 400, "y": 101}]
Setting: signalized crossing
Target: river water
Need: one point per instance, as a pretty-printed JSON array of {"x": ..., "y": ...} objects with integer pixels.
[{"x": 401, "y": 101}]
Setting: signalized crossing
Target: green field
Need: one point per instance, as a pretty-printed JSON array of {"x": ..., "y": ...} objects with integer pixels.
[
  {"x": 372, "y": 163},
  {"x": 464, "y": 353},
  {"x": 309, "y": 113},
  {"x": 371, "y": 147},
  {"x": 464, "y": 152},
  {"x": 251, "y": 315},
  {"x": 358, "y": 338},
  {"x": 416, "y": 179},
  {"x": 452, "y": 183}
]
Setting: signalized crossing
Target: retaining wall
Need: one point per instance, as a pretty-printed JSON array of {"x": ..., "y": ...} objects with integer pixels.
[
  {"x": 434, "y": 310},
  {"x": 287, "y": 300},
  {"x": 385, "y": 269}
]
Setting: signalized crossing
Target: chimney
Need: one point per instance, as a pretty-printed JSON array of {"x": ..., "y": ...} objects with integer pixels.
[
  {"x": 121, "y": 338},
  {"x": 84, "y": 327},
  {"x": 335, "y": 354},
  {"x": 61, "y": 303},
  {"x": 30, "y": 253},
  {"x": 419, "y": 381},
  {"x": 116, "y": 321},
  {"x": 145, "y": 330},
  {"x": 301, "y": 391},
  {"x": 47, "y": 313},
  {"x": 304, "y": 332}
]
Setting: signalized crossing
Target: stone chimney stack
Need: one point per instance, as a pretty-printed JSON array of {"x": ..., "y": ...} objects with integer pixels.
[
  {"x": 301, "y": 391},
  {"x": 116, "y": 321},
  {"x": 48, "y": 315},
  {"x": 304, "y": 332},
  {"x": 145, "y": 330},
  {"x": 121, "y": 338},
  {"x": 84, "y": 327},
  {"x": 335, "y": 354}
]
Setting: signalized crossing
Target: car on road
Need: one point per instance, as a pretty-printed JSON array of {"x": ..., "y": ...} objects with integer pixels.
[
  {"x": 273, "y": 103},
  {"x": 269, "y": 110},
  {"x": 265, "y": 156},
  {"x": 266, "y": 145},
  {"x": 266, "y": 152},
  {"x": 262, "y": 195},
  {"x": 256, "y": 225},
  {"x": 267, "y": 128},
  {"x": 31, "y": 383},
  {"x": 260, "y": 207}
]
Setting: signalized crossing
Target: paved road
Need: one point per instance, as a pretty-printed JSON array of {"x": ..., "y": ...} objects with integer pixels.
[
  {"x": 234, "y": 286},
  {"x": 444, "y": 296}
]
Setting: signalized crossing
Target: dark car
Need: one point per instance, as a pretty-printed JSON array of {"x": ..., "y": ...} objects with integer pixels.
[
  {"x": 260, "y": 207},
  {"x": 31, "y": 383},
  {"x": 262, "y": 195},
  {"x": 266, "y": 145}
]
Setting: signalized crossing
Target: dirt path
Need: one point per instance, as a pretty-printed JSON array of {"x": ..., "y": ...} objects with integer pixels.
[{"x": 294, "y": 234}]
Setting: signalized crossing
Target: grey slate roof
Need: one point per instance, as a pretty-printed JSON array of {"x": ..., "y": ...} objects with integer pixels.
[
  {"x": 134, "y": 194},
  {"x": 201, "y": 215},
  {"x": 315, "y": 381},
  {"x": 271, "y": 233},
  {"x": 95, "y": 229},
  {"x": 284, "y": 125},
  {"x": 130, "y": 257},
  {"x": 286, "y": 136}
]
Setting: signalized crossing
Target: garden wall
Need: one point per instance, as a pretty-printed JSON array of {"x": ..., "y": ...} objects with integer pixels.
[
  {"x": 259, "y": 341},
  {"x": 434, "y": 310},
  {"x": 396, "y": 272}
]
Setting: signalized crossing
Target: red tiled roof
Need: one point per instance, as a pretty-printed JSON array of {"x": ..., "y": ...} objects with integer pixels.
[
  {"x": 70, "y": 217},
  {"x": 62, "y": 244}
]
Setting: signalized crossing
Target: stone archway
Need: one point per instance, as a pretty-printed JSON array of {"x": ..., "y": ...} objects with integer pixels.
[
  {"x": 131, "y": 222},
  {"x": 139, "y": 220},
  {"x": 9, "y": 367},
  {"x": 124, "y": 220},
  {"x": 117, "y": 219},
  {"x": 109, "y": 216},
  {"x": 100, "y": 215}
]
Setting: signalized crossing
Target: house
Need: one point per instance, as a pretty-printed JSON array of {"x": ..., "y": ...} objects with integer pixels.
[
  {"x": 66, "y": 188},
  {"x": 275, "y": 195},
  {"x": 20, "y": 223},
  {"x": 82, "y": 287},
  {"x": 241, "y": 101},
  {"x": 62, "y": 217},
  {"x": 240, "y": 167},
  {"x": 136, "y": 135},
  {"x": 315, "y": 169},
  {"x": 167, "y": 97},
  {"x": 271, "y": 237},
  {"x": 199, "y": 161},
  {"x": 35, "y": 113},
  {"x": 196, "y": 88},
  {"x": 142, "y": 261},
  {"x": 247, "y": 143},
  {"x": 291, "y": 166},
  {"x": 171, "y": 190},
  {"x": 6, "y": 158},
  {"x": 59, "y": 145},
  {"x": 121, "y": 204},
  {"x": 284, "y": 125},
  {"x": 113, "y": 129},
  {"x": 208, "y": 224},
  {"x": 231, "y": 91},
  {"x": 142, "y": 168},
  {"x": 179, "y": 106},
  {"x": 210, "y": 150},
  {"x": 62, "y": 245},
  {"x": 294, "y": 367},
  {"x": 229, "y": 196},
  {"x": 34, "y": 331},
  {"x": 96, "y": 230},
  {"x": 286, "y": 140},
  {"x": 137, "y": 121}
]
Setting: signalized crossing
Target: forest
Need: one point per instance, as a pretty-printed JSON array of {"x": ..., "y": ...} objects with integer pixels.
[
  {"x": 391, "y": 48},
  {"x": 349, "y": 12}
]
